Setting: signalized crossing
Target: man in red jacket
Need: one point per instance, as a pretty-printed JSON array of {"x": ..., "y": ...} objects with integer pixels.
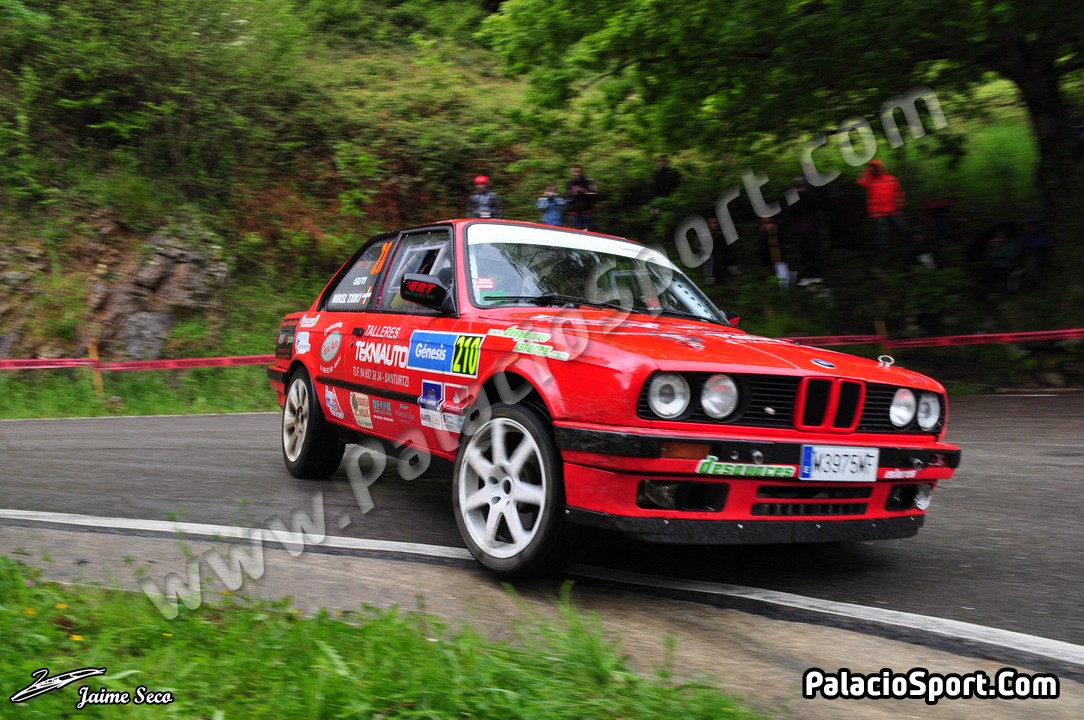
[{"x": 884, "y": 202}]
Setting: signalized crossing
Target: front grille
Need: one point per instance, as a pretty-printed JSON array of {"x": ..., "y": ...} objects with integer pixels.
[
  {"x": 807, "y": 509},
  {"x": 811, "y": 404},
  {"x": 829, "y": 404}
]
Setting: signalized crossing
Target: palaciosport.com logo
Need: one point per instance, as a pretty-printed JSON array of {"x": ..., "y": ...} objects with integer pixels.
[{"x": 1007, "y": 684}]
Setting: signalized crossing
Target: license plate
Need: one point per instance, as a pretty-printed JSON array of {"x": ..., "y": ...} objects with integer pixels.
[{"x": 832, "y": 462}]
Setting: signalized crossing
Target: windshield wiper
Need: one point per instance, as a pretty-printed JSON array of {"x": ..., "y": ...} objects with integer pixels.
[
  {"x": 554, "y": 299},
  {"x": 681, "y": 313}
]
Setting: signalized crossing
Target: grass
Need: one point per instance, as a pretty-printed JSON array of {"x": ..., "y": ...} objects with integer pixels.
[
  {"x": 375, "y": 663},
  {"x": 70, "y": 393}
]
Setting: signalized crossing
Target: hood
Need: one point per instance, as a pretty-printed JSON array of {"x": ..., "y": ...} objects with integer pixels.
[{"x": 611, "y": 338}]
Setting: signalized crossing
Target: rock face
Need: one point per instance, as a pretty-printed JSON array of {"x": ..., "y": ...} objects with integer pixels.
[
  {"x": 132, "y": 317},
  {"x": 135, "y": 290}
]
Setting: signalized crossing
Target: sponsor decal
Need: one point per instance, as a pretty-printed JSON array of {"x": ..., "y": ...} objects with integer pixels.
[
  {"x": 456, "y": 398},
  {"x": 895, "y": 474},
  {"x": 380, "y": 260},
  {"x": 483, "y": 283},
  {"x": 711, "y": 466},
  {"x": 381, "y": 410},
  {"x": 530, "y": 342},
  {"x": 429, "y": 403},
  {"x": 359, "y": 406},
  {"x": 452, "y": 422},
  {"x": 308, "y": 322},
  {"x": 405, "y": 413},
  {"x": 301, "y": 343},
  {"x": 823, "y": 364},
  {"x": 396, "y": 379},
  {"x": 285, "y": 346},
  {"x": 333, "y": 341},
  {"x": 692, "y": 341},
  {"x": 333, "y": 402},
  {"x": 380, "y": 353},
  {"x": 383, "y": 332},
  {"x": 443, "y": 352}
]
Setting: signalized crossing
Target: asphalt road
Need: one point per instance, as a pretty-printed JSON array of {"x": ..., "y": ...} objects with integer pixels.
[{"x": 1001, "y": 545}]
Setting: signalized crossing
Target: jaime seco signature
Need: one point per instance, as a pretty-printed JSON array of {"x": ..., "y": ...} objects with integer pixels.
[{"x": 44, "y": 683}]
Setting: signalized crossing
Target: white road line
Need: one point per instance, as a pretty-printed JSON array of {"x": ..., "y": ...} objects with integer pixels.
[
  {"x": 230, "y": 531},
  {"x": 1043, "y": 647},
  {"x": 1053, "y": 649}
]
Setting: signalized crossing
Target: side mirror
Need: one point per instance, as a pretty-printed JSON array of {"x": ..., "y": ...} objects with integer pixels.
[
  {"x": 427, "y": 290},
  {"x": 731, "y": 318}
]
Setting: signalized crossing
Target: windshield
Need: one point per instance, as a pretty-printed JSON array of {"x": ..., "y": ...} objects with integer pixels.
[{"x": 511, "y": 264}]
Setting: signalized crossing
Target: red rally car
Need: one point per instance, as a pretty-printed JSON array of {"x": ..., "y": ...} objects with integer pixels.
[{"x": 578, "y": 379}]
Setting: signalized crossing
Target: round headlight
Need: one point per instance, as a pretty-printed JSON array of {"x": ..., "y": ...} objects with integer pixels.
[
  {"x": 902, "y": 410},
  {"x": 668, "y": 395},
  {"x": 719, "y": 398},
  {"x": 929, "y": 411}
]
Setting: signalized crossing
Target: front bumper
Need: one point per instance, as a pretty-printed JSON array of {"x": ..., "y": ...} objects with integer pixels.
[
  {"x": 749, "y": 532},
  {"x": 753, "y": 495}
]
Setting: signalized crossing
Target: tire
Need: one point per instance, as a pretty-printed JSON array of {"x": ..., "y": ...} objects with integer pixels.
[
  {"x": 310, "y": 446},
  {"x": 508, "y": 494}
]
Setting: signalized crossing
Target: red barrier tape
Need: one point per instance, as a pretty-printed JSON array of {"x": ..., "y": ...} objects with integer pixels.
[
  {"x": 1032, "y": 336},
  {"x": 175, "y": 364},
  {"x": 45, "y": 364},
  {"x": 181, "y": 363},
  {"x": 839, "y": 340}
]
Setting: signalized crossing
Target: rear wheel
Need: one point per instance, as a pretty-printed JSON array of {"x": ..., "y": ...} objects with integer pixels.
[
  {"x": 508, "y": 494},
  {"x": 310, "y": 446}
]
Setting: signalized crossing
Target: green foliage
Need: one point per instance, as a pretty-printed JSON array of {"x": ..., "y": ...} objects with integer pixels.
[
  {"x": 359, "y": 170},
  {"x": 191, "y": 90},
  {"x": 369, "y": 22}
]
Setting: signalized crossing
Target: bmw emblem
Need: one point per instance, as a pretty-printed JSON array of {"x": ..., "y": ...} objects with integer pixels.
[{"x": 824, "y": 364}]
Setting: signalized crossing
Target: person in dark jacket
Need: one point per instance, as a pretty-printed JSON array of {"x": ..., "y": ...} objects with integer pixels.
[
  {"x": 804, "y": 226},
  {"x": 580, "y": 196},
  {"x": 483, "y": 203}
]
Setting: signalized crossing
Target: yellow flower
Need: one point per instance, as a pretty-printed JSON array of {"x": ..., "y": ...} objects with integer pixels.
[
  {"x": 30, "y": 611},
  {"x": 167, "y": 634},
  {"x": 76, "y": 638},
  {"x": 62, "y": 606}
]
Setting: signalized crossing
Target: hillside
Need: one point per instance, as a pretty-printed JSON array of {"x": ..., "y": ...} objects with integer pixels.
[{"x": 177, "y": 177}]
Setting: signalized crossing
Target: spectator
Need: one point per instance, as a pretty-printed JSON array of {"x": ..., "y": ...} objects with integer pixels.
[
  {"x": 484, "y": 203},
  {"x": 884, "y": 203},
  {"x": 551, "y": 205},
  {"x": 722, "y": 261},
  {"x": 663, "y": 182},
  {"x": 1000, "y": 259},
  {"x": 1035, "y": 245},
  {"x": 805, "y": 231},
  {"x": 580, "y": 194}
]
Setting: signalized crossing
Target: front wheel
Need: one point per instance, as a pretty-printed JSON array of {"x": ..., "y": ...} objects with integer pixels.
[
  {"x": 310, "y": 447},
  {"x": 508, "y": 494}
]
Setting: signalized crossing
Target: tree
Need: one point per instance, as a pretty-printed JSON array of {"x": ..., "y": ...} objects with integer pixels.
[{"x": 710, "y": 73}]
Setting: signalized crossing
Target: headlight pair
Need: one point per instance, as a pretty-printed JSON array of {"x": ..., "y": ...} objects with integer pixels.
[
  {"x": 669, "y": 395},
  {"x": 906, "y": 407}
]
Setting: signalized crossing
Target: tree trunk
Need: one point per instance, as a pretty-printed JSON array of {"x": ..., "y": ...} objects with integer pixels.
[{"x": 1059, "y": 176}]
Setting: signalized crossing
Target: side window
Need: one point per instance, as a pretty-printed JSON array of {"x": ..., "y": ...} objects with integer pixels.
[
  {"x": 426, "y": 252},
  {"x": 356, "y": 286}
]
